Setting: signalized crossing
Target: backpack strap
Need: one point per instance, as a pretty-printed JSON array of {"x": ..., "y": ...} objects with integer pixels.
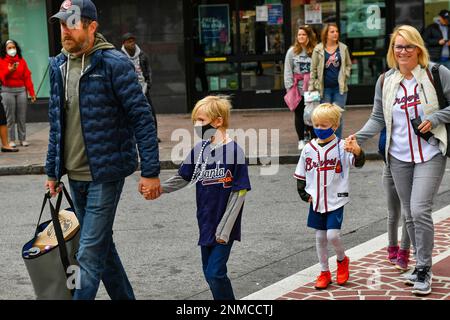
[{"x": 436, "y": 81}]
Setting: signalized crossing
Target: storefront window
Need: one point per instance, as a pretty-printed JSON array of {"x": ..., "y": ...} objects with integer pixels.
[
  {"x": 25, "y": 21},
  {"x": 261, "y": 27},
  {"x": 363, "y": 29},
  {"x": 216, "y": 77},
  {"x": 305, "y": 12},
  {"x": 262, "y": 75}
]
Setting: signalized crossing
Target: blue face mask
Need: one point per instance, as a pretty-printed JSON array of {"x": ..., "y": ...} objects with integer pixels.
[{"x": 323, "y": 134}]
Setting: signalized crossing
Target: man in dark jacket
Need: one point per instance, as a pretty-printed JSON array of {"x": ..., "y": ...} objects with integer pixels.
[
  {"x": 436, "y": 37},
  {"x": 97, "y": 114},
  {"x": 141, "y": 63}
]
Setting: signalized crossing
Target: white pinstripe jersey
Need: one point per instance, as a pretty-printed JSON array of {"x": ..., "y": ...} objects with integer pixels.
[{"x": 326, "y": 171}]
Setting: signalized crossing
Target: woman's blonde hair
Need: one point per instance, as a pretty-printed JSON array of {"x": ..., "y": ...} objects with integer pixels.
[
  {"x": 324, "y": 34},
  {"x": 412, "y": 36},
  {"x": 312, "y": 40},
  {"x": 328, "y": 111},
  {"x": 214, "y": 107}
]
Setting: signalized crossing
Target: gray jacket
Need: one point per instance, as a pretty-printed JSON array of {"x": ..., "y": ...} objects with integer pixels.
[{"x": 384, "y": 100}]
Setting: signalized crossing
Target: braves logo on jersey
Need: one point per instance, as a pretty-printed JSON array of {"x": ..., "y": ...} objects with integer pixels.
[
  {"x": 324, "y": 165},
  {"x": 217, "y": 175}
]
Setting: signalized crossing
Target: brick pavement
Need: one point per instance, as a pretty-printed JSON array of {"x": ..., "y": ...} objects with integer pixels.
[{"x": 371, "y": 276}]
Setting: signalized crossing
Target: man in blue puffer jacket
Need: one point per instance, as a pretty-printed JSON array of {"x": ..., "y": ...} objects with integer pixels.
[{"x": 97, "y": 115}]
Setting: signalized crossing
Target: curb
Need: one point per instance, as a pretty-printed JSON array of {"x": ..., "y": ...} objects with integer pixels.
[{"x": 169, "y": 165}]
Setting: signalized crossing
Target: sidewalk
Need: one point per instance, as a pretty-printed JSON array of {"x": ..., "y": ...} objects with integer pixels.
[
  {"x": 371, "y": 276},
  {"x": 30, "y": 160}
]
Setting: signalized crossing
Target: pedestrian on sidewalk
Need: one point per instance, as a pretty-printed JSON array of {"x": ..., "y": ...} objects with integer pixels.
[
  {"x": 330, "y": 69},
  {"x": 218, "y": 168},
  {"x": 417, "y": 162},
  {"x": 397, "y": 255},
  {"x": 436, "y": 36},
  {"x": 141, "y": 64},
  {"x": 297, "y": 68},
  {"x": 16, "y": 81},
  {"x": 97, "y": 114},
  {"x": 322, "y": 175},
  {"x": 4, "y": 131}
]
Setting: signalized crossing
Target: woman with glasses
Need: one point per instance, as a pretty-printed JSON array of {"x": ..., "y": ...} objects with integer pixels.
[
  {"x": 330, "y": 69},
  {"x": 407, "y": 99},
  {"x": 297, "y": 67}
]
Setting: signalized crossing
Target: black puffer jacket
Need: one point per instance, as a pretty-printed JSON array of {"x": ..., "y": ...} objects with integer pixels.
[{"x": 431, "y": 36}]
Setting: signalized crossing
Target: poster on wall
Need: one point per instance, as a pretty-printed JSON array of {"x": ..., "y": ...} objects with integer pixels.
[
  {"x": 262, "y": 13},
  {"x": 313, "y": 13},
  {"x": 275, "y": 14},
  {"x": 214, "y": 24}
]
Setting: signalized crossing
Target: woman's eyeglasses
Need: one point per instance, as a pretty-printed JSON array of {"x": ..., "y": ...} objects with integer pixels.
[{"x": 409, "y": 48}]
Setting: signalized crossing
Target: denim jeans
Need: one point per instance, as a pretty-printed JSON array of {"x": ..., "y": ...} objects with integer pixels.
[
  {"x": 332, "y": 95},
  {"x": 95, "y": 206},
  {"x": 214, "y": 260}
]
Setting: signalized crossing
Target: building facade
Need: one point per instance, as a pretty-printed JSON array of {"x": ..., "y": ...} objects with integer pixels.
[{"x": 232, "y": 47}]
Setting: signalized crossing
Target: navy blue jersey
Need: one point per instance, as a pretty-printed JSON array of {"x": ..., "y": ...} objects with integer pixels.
[{"x": 220, "y": 172}]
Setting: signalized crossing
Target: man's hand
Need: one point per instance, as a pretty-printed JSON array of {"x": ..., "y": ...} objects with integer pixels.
[
  {"x": 51, "y": 186},
  {"x": 150, "y": 188}
]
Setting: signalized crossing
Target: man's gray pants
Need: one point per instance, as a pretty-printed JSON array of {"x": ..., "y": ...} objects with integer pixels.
[
  {"x": 15, "y": 102},
  {"x": 417, "y": 184}
]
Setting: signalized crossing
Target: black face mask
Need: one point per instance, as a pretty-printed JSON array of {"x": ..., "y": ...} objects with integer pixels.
[{"x": 205, "y": 132}]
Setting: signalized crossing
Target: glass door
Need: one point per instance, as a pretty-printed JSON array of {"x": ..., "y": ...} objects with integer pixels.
[{"x": 363, "y": 29}]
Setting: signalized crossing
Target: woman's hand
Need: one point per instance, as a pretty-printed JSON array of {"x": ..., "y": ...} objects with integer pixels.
[
  {"x": 33, "y": 99},
  {"x": 425, "y": 126},
  {"x": 12, "y": 67}
]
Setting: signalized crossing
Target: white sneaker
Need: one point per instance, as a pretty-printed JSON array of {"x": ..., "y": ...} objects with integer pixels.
[
  {"x": 301, "y": 144},
  {"x": 24, "y": 143},
  {"x": 12, "y": 144}
]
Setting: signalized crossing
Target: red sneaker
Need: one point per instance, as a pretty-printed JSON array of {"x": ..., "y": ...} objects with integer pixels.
[
  {"x": 323, "y": 280},
  {"x": 343, "y": 271}
]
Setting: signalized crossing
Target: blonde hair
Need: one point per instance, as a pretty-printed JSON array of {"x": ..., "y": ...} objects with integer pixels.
[
  {"x": 324, "y": 34},
  {"x": 412, "y": 36},
  {"x": 214, "y": 107},
  {"x": 328, "y": 111}
]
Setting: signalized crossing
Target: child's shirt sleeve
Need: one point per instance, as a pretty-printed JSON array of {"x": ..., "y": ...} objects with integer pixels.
[
  {"x": 241, "y": 180},
  {"x": 300, "y": 172},
  {"x": 186, "y": 169}
]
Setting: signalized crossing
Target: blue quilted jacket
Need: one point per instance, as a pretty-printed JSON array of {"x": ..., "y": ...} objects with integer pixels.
[{"x": 115, "y": 115}]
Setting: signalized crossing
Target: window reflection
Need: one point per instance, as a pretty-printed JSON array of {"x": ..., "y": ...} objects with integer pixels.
[
  {"x": 216, "y": 77},
  {"x": 262, "y": 75}
]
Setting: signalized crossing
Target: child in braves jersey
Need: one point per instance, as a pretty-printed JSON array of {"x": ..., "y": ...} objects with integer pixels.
[
  {"x": 217, "y": 167},
  {"x": 323, "y": 180}
]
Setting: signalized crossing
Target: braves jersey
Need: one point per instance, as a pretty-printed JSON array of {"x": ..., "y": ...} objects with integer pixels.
[
  {"x": 326, "y": 171},
  {"x": 406, "y": 145},
  {"x": 218, "y": 173}
]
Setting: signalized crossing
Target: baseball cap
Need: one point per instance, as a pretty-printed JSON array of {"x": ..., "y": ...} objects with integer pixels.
[
  {"x": 444, "y": 14},
  {"x": 75, "y": 8},
  {"x": 127, "y": 36}
]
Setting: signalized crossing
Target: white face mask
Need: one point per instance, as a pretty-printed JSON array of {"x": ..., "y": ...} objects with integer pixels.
[{"x": 12, "y": 52}]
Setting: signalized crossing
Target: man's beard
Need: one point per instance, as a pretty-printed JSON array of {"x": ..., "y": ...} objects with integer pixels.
[{"x": 77, "y": 47}]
